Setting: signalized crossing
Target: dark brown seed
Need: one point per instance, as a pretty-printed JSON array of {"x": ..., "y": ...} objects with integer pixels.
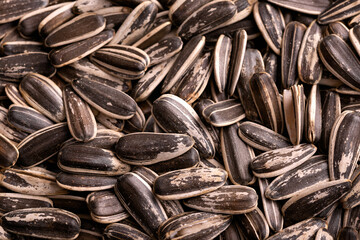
[
  {"x": 37, "y": 148},
  {"x": 313, "y": 123},
  {"x": 83, "y": 6},
  {"x": 222, "y": 53},
  {"x": 48, "y": 223},
  {"x": 13, "y": 10},
  {"x": 253, "y": 225},
  {"x": 181, "y": 10},
  {"x": 340, "y": 29},
  {"x": 339, "y": 10},
  {"x": 8, "y": 152},
  {"x": 313, "y": 7},
  {"x": 79, "y": 182},
  {"x": 123, "y": 231},
  {"x": 155, "y": 35},
  {"x": 186, "y": 183},
  {"x": 14, "y": 201}
]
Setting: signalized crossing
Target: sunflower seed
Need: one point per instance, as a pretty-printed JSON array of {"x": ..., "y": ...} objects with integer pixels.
[
  {"x": 352, "y": 199},
  {"x": 14, "y": 10},
  {"x": 14, "y": 201},
  {"x": 136, "y": 24},
  {"x": 267, "y": 101},
  {"x": 343, "y": 146},
  {"x": 338, "y": 28},
  {"x": 90, "y": 160},
  {"x": 222, "y": 53},
  {"x": 49, "y": 223},
  {"x": 36, "y": 148},
  {"x": 312, "y": 172},
  {"x": 205, "y": 18},
  {"x": 106, "y": 99},
  {"x": 314, "y": 200},
  {"x": 83, "y": 6},
  {"x": 308, "y": 6},
  {"x": 186, "y": 183},
  {"x": 164, "y": 49},
  {"x": 313, "y": 116},
  {"x": 231, "y": 233},
  {"x": 183, "y": 62},
  {"x": 14, "y": 67},
  {"x": 294, "y": 108},
  {"x": 79, "y": 28},
  {"x": 6, "y": 27},
  {"x": 75, "y": 51},
  {"x": 303, "y": 230},
  {"x": 193, "y": 83},
  {"x": 183, "y": 9},
  {"x": 154, "y": 35},
  {"x": 198, "y": 225},
  {"x": 291, "y": 42},
  {"x": 8, "y": 152},
  {"x": 227, "y": 200},
  {"x": 105, "y": 207},
  {"x": 270, "y": 22},
  {"x": 348, "y": 233},
  {"x": 8, "y": 130},
  {"x": 79, "y": 182},
  {"x": 276, "y": 162},
  {"x": 114, "y": 16},
  {"x": 272, "y": 210},
  {"x": 323, "y": 234},
  {"x": 253, "y": 225},
  {"x": 252, "y": 64},
  {"x": 236, "y": 156},
  {"x": 174, "y": 115},
  {"x": 339, "y": 10},
  {"x": 71, "y": 203},
  {"x": 138, "y": 199},
  {"x": 260, "y": 137},
  {"x": 29, "y": 182},
  {"x": 28, "y": 24},
  {"x": 352, "y": 217},
  {"x": 121, "y": 231},
  {"x": 55, "y": 19},
  {"x": 308, "y": 64}
]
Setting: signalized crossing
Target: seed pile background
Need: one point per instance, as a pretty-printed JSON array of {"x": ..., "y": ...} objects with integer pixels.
[{"x": 180, "y": 119}]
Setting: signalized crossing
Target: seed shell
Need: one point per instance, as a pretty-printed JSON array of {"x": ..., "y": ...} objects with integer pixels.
[
  {"x": 14, "y": 10},
  {"x": 14, "y": 201},
  {"x": 222, "y": 55},
  {"x": 123, "y": 231},
  {"x": 8, "y": 152},
  {"x": 339, "y": 10},
  {"x": 253, "y": 225},
  {"x": 313, "y": 115},
  {"x": 79, "y": 182},
  {"x": 313, "y": 7}
]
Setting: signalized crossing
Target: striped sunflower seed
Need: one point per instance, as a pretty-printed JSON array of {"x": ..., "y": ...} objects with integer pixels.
[
  {"x": 276, "y": 162},
  {"x": 339, "y": 10},
  {"x": 260, "y": 137},
  {"x": 182, "y": 9},
  {"x": 323, "y": 234},
  {"x": 90, "y": 160},
  {"x": 183, "y": 62},
  {"x": 194, "y": 225},
  {"x": 106, "y": 99},
  {"x": 5, "y": 28},
  {"x": 30, "y": 182},
  {"x": 271, "y": 208},
  {"x": 105, "y": 207},
  {"x": 338, "y": 28},
  {"x": 267, "y": 101},
  {"x": 78, "y": 50},
  {"x": 83, "y": 6},
  {"x": 233, "y": 199},
  {"x": 294, "y": 108},
  {"x": 352, "y": 199},
  {"x": 253, "y": 225},
  {"x": 8, "y": 130},
  {"x": 49, "y": 102},
  {"x": 330, "y": 112},
  {"x": 352, "y": 217},
  {"x": 120, "y": 231},
  {"x": 303, "y": 230},
  {"x": 231, "y": 233},
  {"x": 222, "y": 53},
  {"x": 335, "y": 220},
  {"x": 80, "y": 118},
  {"x": 186, "y": 183},
  {"x": 136, "y": 123},
  {"x": 310, "y": 71},
  {"x": 154, "y": 35},
  {"x": 164, "y": 50},
  {"x": 14, "y": 67},
  {"x": 348, "y": 233},
  {"x": 140, "y": 202},
  {"x": 14, "y": 10},
  {"x": 205, "y": 18},
  {"x": 224, "y": 113},
  {"x": 12, "y": 92},
  {"x": 354, "y": 36},
  {"x": 49, "y": 223},
  {"x": 315, "y": 199},
  {"x": 9, "y": 153},
  {"x": 343, "y": 146},
  {"x": 313, "y": 115},
  {"x": 174, "y": 115},
  {"x": 36, "y": 148},
  {"x": 55, "y": 19},
  {"x": 271, "y": 24},
  {"x": 332, "y": 50},
  {"x": 252, "y": 64},
  {"x": 79, "y": 28},
  {"x": 237, "y": 156},
  {"x": 272, "y": 65},
  {"x": 310, "y": 173},
  {"x": 14, "y": 201},
  {"x": 308, "y": 6},
  {"x": 111, "y": 123},
  {"x": 291, "y": 43},
  {"x": 193, "y": 83},
  {"x": 114, "y": 16},
  {"x": 155, "y": 147},
  {"x": 137, "y": 23},
  {"x": 79, "y": 182}
]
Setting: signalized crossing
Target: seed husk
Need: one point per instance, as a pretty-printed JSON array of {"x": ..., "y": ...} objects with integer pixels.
[
  {"x": 352, "y": 199},
  {"x": 181, "y": 10},
  {"x": 79, "y": 182},
  {"x": 222, "y": 53},
  {"x": 14, "y": 201},
  {"x": 49, "y": 223},
  {"x": 8, "y": 130},
  {"x": 8, "y": 152},
  {"x": 253, "y": 225},
  {"x": 83, "y": 6},
  {"x": 308, "y": 6},
  {"x": 120, "y": 230},
  {"x": 14, "y": 10},
  {"x": 338, "y": 11},
  {"x": 154, "y": 35},
  {"x": 226, "y": 200}
]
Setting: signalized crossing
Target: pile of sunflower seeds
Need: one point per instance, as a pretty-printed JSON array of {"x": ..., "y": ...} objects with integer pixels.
[{"x": 180, "y": 119}]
